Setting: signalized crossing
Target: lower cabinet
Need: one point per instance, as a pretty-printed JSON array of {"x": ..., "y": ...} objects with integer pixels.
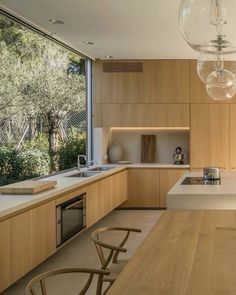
[
  {"x": 42, "y": 232},
  {"x": 26, "y": 240},
  {"x": 143, "y": 188},
  {"x": 119, "y": 188},
  {"x": 149, "y": 187},
  {"x": 168, "y": 178},
  {"x": 14, "y": 249},
  {"x": 104, "y": 196}
]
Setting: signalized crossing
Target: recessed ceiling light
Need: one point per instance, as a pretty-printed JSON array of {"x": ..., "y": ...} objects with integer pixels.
[
  {"x": 109, "y": 56},
  {"x": 88, "y": 42},
  {"x": 56, "y": 21}
]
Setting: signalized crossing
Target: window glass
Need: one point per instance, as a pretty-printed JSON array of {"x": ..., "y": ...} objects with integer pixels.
[{"x": 43, "y": 104}]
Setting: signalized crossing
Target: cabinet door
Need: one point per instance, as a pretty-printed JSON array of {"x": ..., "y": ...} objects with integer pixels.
[
  {"x": 233, "y": 137},
  {"x": 167, "y": 179},
  {"x": 168, "y": 115},
  {"x": 92, "y": 203},
  {"x": 209, "y": 135},
  {"x": 123, "y": 115},
  {"x": 144, "y": 188},
  {"x": 19, "y": 245},
  {"x": 119, "y": 188},
  {"x": 105, "y": 205},
  {"x": 142, "y": 115},
  {"x": 169, "y": 81},
  {"x": 98, "y": 200},
  {"x": 42, "y": 230}
]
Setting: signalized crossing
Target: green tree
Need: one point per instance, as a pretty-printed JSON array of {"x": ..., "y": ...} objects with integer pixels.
[{"x": 39, "y": 77}]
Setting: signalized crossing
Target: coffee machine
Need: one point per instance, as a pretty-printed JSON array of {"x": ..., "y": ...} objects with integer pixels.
[{"x": 178, "y": 156}]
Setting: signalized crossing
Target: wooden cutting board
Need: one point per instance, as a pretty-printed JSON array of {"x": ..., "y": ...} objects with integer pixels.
[
  {"x": 148, "y": 148},
  {"x": 28, "y": 187}
]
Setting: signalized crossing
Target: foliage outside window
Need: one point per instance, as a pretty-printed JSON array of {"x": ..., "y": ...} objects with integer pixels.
[{"x": 42, "y": 104}]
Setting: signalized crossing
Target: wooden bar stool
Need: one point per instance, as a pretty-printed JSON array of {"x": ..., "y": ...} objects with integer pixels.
[
  {"x": 109, "y": 259},
  {"x": 40, "y": 280}
]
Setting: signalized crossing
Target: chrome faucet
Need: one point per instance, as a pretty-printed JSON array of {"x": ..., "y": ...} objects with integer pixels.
[
  {"x": 78, "y": 162},
  {"x": 87, "y": 163}
]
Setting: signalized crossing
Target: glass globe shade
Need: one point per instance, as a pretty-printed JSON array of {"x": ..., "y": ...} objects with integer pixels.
[
  {"x": 221, "y": 85},
  {"x": 208, "y": 26},
  {"x": 208, "y": 63}
]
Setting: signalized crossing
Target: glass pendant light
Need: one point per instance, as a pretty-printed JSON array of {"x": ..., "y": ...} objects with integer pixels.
[
  {"x": 208, "y": 26},
  {"x": 221, "y": 85},
  {"x": 207, "y": 63}
]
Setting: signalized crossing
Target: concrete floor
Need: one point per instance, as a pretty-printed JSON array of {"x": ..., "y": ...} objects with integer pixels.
[{"x": 81, "y": 252}]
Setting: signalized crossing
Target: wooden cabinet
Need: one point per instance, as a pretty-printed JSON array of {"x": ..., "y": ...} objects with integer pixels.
[
  {"x": 143, "y": 188},
  {"x": 42, "y": 232},
  {"x": 161, "y": 81},
  {"x": 105, "y": 204},
  {"x": 119, "y": 188},
  {"x": 105, "y": 195},
  {"x": 142, "y": 115},
  {"x": 168, "y": 177},
  {"x": 98, "y": 200},
  {"x": 168, "y": 115},
  {"x": 26, "y": 240},
  {"x": 14, "y": 249},
  {"x": 169, "y": 81},
  {"x": 233, "y": 137},
  {"x": 209, "y": 135},
  {"x": 19, "y": 245},
  {"x": 157, "y": 97},
  {"x": 92, "y": 204}
]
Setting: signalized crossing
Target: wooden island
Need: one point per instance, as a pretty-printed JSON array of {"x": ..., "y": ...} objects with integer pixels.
[{"x": 188, "y": 252}]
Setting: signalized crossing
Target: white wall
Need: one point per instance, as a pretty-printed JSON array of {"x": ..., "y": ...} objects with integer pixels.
[{"x": 101, "y": 138}]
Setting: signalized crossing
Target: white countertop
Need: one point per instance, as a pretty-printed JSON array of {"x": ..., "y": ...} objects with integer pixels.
[
  {"x": 11, "y": 204},
  {"x": 220, "y": 196},
  {"x": 158, "y": 165}
]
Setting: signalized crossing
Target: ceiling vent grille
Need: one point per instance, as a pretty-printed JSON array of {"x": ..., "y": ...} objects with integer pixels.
[{"x": 122, "y": 67}]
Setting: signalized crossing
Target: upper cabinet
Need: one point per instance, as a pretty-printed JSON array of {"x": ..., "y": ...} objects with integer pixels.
[
  {"x": 141, "y": 115},
  {"x": 158, "y": 81},
  {"x": 120, "y": 87},
  {"x": 169, "y": 81},
  {"x": 151, "y": 93}
]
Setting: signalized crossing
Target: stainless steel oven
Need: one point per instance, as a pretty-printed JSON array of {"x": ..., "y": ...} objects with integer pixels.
[{"x": 71, "y": 218}]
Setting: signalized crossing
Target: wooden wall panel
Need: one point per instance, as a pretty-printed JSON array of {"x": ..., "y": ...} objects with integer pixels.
[
  {"x": 169, "y": 81},
  {"x": 209, "y": 135},
  {"x": 120, "y": 87}
]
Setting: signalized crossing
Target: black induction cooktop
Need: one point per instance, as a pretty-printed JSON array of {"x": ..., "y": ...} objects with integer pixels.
[{"x": 200, "y": 181}]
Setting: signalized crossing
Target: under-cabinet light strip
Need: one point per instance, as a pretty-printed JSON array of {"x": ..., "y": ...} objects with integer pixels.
[{"x": 152, "y": 128}]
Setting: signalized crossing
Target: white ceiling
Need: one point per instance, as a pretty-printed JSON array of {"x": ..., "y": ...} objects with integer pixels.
[{"x": 125, "y": 29}]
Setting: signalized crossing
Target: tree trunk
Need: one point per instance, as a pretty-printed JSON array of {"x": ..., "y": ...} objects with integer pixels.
[
  {"x": 32, "y": 127},
  {"x": 53, "y": 133}
]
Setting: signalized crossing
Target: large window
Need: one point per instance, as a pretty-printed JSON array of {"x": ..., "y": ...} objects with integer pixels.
[{"x": 43, "y": 104}]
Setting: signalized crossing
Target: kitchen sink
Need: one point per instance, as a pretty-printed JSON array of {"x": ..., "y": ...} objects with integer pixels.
[
  {"x": 102, "y": 168},
  {"x": 84, "y": 174}
]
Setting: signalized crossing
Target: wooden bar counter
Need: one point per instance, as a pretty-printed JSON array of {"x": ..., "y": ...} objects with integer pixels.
[{"x": 188, "y": 252}]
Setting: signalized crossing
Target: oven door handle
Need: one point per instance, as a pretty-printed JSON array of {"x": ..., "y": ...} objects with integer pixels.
[{"x": 72, "y": 205}]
